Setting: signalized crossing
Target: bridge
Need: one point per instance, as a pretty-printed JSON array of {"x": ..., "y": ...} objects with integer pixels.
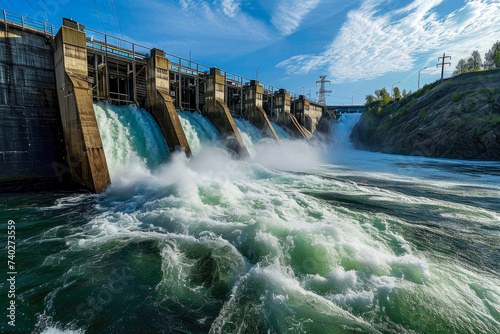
[{"x": 350, "y": 109}]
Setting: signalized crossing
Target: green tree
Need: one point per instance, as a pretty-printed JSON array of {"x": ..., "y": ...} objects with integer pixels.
[
  {"x": 492, "y": 57},
  {"x": 405, "y": 94},
  {"x": 369, "y": 100},
  {"x": 378, "y": 95},
  {"x": 397, "y": 93},
  {"x": 462, "y": 67},
  {"x": 385, "y": 97},
  {"x": 475, "y": 62}
]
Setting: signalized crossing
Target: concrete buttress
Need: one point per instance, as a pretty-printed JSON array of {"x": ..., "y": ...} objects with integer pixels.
[
  {"x": 218, "y": 113},
  {"x": 286, "y": 119},
  {"x": 161, "y": 105},
  {"x": 86, "y": 157},
  {"x": 254, "y": 110}
]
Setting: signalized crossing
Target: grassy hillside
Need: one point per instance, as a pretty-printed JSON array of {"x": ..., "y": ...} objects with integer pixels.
[{"x": 459, "y": 118}]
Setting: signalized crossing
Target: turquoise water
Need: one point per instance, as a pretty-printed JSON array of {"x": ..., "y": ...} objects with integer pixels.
[
  {"x": 141, "y": 141},
  {"x": 250, "y": 135},
  {"x": 299, "y": 238},
  {"x": 199, "y": 131},
  {"x": 282, "y": 134}
]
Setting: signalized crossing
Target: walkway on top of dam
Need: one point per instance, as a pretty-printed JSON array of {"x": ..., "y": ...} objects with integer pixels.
[{"x": 120, "y": 49}]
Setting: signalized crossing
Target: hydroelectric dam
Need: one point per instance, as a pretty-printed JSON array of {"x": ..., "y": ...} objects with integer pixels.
[{"x": 54, "y": 80}]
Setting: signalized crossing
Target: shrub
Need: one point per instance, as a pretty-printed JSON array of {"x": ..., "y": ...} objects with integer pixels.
[
  {"x": 423, "y": 114},
  {"x": 470, "y": 106},
  {"x": 457, "y": 123},
  {"x": 480, "y": 131},
  {"x": 495, "y": 119},
  {"x": 457, "y": 97},
  {"x": 490, "y": 93}
]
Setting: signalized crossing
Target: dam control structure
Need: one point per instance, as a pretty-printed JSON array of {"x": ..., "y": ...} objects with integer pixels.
[{"x": 51, "y": 76}]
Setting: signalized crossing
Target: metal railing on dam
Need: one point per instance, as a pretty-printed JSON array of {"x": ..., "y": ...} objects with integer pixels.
[
  {"x": 110, "y": 45},
  {"x": 129, "y": 50},
  {"x": 24, "y": 22}
]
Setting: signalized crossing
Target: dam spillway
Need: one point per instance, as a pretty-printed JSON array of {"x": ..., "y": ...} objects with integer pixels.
[
  {"x": 130, "y": 137},
  {"x": 87, "y": 66}
]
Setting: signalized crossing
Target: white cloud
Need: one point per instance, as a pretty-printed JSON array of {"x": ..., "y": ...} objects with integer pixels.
[
  {"x": 288, "y": 14},
  {"x": 371, "y": 44},
  {"x": 230, "y": 8},
  {"x": 206, "y": 28}
]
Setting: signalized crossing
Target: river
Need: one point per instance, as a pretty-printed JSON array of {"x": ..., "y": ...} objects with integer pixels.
[{"x": 303, "y": 237}]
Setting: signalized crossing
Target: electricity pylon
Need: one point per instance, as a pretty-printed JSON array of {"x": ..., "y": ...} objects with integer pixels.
[{"x": 321, "y": 94}]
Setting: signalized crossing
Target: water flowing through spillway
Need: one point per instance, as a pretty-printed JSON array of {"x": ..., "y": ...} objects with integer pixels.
[
  {"x": 130, "y": 137},
  {"x": 354, "y": 242},
  {"x": 199, "y": 131},
  {"x": 250, "y": 135},
  {"x": 282, "y": 134}
]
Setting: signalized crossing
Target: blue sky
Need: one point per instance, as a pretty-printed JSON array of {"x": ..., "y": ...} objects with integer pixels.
[{"x": 360, "y": 45}]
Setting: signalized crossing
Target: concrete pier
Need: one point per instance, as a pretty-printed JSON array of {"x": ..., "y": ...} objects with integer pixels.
[
  {"x": 218, "y": 113},
  {"x": 285, "y": 118},
  {"x": 161, "y": 105},
  {"x": 312, "y": 118},
  {"x": 86, "y": 157},
  {"x": 307, "y": 113},
  {"x": 254, "y": 110}
]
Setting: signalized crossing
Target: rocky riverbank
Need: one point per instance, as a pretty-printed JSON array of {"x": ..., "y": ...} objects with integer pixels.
[{"x": 457, "y": 119}]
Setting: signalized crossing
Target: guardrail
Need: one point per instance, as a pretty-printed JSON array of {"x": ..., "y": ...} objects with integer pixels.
[
  {"x": 116, "y": 46},
  {"x": 24, "y": 22},
  {"x": 120, "y": 47}
]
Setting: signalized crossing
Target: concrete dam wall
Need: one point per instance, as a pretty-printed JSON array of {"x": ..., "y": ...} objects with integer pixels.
[
  {"x": 32, "y": 145},
  {"x": 51, "y": 78}
]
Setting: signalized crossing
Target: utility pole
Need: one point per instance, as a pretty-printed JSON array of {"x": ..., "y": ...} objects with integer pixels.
[
  {"x": 419, "y": 76},
  {"x": 257, "y": 74},
  {"x": 392, "y": 90},
  {"x": 442, "y": 64}
]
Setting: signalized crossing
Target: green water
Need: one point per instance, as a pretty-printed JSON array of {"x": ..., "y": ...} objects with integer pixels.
[{"x": 301, "y": 238}]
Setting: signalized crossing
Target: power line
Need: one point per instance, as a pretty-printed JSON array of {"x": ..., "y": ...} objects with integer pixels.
[
  {"x": 106, "y": 11},
  {"x": 48, "y": 10},
  {"x": 118, "y": 18},
  {"x": 64, "y": 8},
  {"x": 13, "y": 6},
  {"x": 29, "y": 3},
  {"x": 100, "y": 18}
]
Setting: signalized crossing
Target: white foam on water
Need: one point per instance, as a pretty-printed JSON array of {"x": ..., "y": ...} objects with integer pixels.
[
  {"x": 199, "y": 131},
  {"x": 131, "y": 138},
  {"x": 278, "y": 257},
  {"x": 282, "y": 134},
  {"x": 54, "y": 330},
  {"x": 250, "y": 135}
]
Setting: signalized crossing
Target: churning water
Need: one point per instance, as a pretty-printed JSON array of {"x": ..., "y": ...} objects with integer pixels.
[
  {"x": 199, "y": 131},
  {"x": 300, "y": 238}
]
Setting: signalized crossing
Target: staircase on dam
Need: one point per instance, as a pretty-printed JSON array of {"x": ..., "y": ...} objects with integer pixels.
[{"x": 79, "y": 66}]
